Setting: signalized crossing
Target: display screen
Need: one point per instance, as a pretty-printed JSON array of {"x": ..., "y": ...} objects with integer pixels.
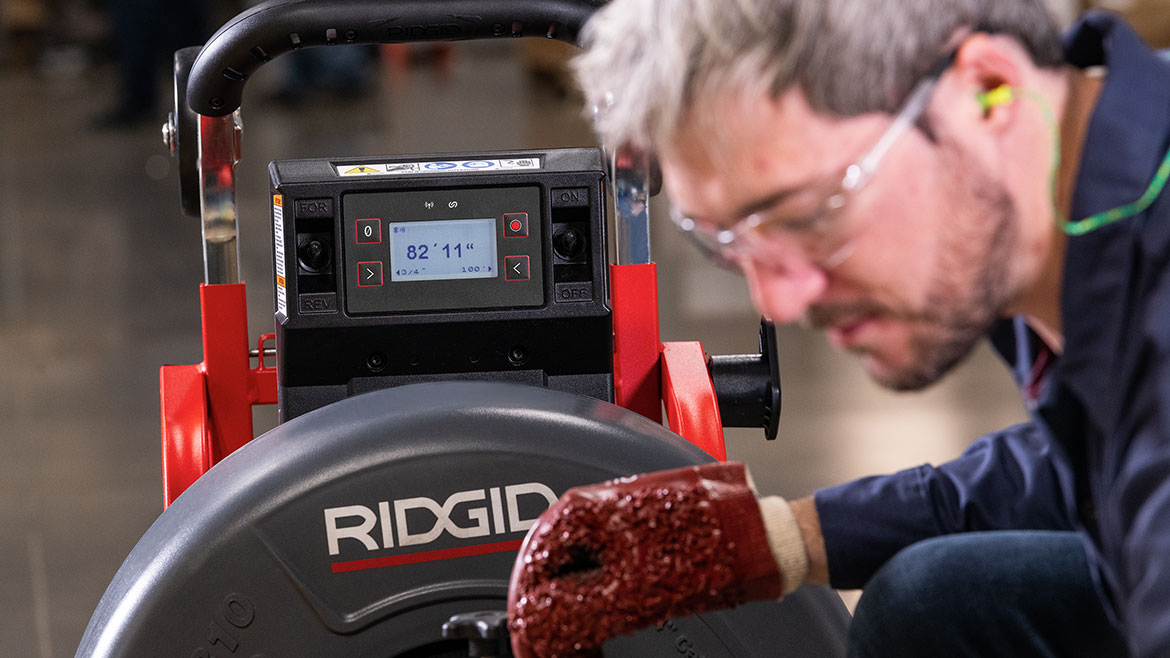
[{"x": 443, "y": 250}]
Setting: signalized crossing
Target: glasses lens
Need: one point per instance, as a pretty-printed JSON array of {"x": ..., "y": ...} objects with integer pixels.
[
  {"x": 809, "y": 239},
  {"x": 808, "y": 228}
]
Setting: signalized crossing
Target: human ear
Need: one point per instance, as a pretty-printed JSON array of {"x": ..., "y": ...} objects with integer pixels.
[{"x": 988, "y": 69}]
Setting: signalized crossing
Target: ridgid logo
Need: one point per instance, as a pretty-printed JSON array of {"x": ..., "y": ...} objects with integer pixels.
[{"x": 419, "y": 521}]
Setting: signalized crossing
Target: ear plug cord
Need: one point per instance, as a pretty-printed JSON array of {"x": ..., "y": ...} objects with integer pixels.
[{"x": 1004, "y": 94}]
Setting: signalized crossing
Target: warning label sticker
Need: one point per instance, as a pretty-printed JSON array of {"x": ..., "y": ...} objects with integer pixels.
[
  {"x": 361, "y": 169},
  {"x": 278, "y": 233},
  {"x": 436, "y": 167}
]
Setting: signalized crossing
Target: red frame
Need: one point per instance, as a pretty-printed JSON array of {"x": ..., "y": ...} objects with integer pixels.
[
  {"x": 381, "y": 274},
  {"x": 505, "y": 224},
  {"x": 357, "y": 231},
  {"x": 207, "y": 408},
  {"x": 527, "y": 267}
]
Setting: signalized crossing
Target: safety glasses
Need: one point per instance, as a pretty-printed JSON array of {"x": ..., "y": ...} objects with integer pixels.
[{"x": 810, "y": 223}]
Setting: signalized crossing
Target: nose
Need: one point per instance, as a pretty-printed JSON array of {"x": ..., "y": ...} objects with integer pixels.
[{"x": 784, "y": 294}]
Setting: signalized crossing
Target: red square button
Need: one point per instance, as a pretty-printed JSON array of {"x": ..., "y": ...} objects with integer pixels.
[
  {"x": 515, "y": 225},
  {"x": 516, "y": 268},
  {"x": 369, "y": 231},
  {"x": 369, "y": 274}
]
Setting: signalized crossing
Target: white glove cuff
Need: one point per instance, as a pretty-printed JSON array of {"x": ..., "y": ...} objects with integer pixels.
[{"x": 786, "y": 541}]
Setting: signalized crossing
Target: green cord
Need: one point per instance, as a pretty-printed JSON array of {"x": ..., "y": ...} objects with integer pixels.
[{"x": 1093, "y": 222}]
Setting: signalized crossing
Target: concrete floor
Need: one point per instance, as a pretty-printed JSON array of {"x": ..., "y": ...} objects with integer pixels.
[{"x": 98, "y": 287}]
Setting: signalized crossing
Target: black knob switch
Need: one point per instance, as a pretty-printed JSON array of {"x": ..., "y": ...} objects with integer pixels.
[
  {"x": 569, "y": 243},
  {"x": 315, "y": 256}
]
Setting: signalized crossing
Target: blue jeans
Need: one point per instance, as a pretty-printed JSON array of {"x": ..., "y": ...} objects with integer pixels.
[{"x": 985, "y": 594}]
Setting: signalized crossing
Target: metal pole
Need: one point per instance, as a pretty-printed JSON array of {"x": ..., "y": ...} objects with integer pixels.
[
  {"x": 219, "y": 152},
  {"x": 632, "y": 202}
]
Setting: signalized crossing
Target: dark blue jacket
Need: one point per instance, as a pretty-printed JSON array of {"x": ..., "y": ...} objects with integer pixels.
[{"x": 1096, "y": 456}]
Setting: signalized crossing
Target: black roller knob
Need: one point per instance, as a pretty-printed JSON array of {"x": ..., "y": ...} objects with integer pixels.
[
  {"x": 486, "y": 633},
  {"x": 569, "y": 243},
  {"x": 314, "y": 256},
  {"x": 747, "y": 386}
]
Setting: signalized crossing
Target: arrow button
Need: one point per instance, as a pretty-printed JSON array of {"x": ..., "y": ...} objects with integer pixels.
[
  {"x": 369, "y": 274},
  {"x": 516, "y": 268}
]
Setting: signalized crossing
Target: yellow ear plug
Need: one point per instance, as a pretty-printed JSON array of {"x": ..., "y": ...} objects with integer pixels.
[{"x": 1001, "y": 95}]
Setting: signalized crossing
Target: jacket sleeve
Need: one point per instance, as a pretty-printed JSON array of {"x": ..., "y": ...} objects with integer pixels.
[
  {"x": 1012, "y": 479},
  {"x": 1138, "y": 506}
]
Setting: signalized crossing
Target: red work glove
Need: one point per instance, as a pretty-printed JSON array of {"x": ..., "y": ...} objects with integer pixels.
[{"x": 616, "y": 557}]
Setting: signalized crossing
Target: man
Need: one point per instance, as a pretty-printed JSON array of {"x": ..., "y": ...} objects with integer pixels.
[{"x": 910, "y": 177}]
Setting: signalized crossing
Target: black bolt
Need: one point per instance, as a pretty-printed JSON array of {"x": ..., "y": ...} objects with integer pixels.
[
  {"x": 486, "y": 632},
  {"x": 517, "y": 355},
  {"x": 351, "y": 35},
  {"x": 376, "y": 361},
  {"x": 216, "y": 103}
]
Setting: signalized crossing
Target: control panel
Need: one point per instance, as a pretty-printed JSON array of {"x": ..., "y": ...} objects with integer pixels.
[
  {"x": 431, "y": 267},
  {"x": 444, "y": 249}
]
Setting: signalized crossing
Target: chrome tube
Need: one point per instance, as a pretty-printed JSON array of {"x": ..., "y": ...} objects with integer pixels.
[
  {"x": 219, "y": 152},
  {"x": 631, "y": 196}
]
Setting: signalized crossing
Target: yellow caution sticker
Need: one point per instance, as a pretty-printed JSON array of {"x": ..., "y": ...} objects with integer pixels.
[{"x": 363, "y": 169}]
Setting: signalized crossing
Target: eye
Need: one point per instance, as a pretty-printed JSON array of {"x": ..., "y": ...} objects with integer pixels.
[
  {"x": 804, "y": 223},
  {"x": 796, "y": 214}
]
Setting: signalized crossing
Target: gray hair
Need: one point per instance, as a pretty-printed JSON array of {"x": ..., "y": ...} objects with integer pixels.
[{"x": 649, "y": 62}]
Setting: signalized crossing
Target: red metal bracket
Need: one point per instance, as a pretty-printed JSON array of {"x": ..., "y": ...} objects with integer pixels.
[
  {"x": 207, "y": 408},
  {"x": 185, "y": 444},
  {"x": 262, "y": 379},
  {"x": 636, "y": 374},
  {"x": 225, "y": 365},
  {"x": 692, "y": 410},
  {"x": 648, "y": 374}
]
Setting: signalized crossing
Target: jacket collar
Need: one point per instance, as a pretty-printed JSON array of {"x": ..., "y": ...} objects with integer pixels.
[{"x": 1126, "y": 141}]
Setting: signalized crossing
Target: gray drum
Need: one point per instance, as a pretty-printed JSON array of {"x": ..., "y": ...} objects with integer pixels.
[{"x": 357, "y": 529}]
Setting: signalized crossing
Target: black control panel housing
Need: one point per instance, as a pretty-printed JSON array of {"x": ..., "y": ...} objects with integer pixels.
[{"x": 470, "y": 266}]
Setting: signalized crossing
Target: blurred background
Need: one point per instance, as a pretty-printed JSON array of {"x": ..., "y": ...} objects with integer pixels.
[{"x": 99, "y": 272}]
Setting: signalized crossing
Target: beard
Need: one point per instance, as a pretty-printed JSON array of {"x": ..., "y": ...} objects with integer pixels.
[{"x": 968, "y": 290}]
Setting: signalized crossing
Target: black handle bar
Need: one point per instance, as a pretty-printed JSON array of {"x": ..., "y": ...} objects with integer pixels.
[{"x": 276, "y": 27}]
